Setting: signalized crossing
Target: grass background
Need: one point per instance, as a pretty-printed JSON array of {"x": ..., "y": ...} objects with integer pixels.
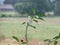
[{"x": 44, "y": 29}]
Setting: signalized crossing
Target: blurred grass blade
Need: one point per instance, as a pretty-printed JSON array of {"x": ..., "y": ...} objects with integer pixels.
[
  {"x": 55, "y": 42},
  {"x": 35, "y": 20},
  {"x": 41, "y": 18},
  {"x": 24, "y": 42},
  {"x": 56, "y": 37},
  {"x": 46, "y": 40},
  {"x": 32, "y": 26},
  {"x": 14, "y": 37},
  {"x": 24, "y": 23},
  {"x": 59, "y": 34}
]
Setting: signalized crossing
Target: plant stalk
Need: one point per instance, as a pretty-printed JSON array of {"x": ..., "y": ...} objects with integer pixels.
[{"x": 26, "y": 33}]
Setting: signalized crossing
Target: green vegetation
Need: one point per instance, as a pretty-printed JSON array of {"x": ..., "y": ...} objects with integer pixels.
[
  {"x": 47, "y": 29},
  {"x": 53, "y": 40},
  {"x": 31, "y": 17}
]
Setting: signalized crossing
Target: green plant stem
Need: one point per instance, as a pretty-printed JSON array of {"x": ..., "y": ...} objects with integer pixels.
[{"x": 26, "y": 33}]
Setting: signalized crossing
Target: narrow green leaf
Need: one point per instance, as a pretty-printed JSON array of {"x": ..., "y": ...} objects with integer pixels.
[
  {"x": 14, "y": 37},
  {"x": 55, "y": 42},
  {"x": 56, "y": 37},
  {"x": 24, "y": 23},
  {"x": 47, "y": 40},
  {"x": 24, "y": 42},
  {"x": 41, "y": 18},
  {"x": 59, "y": 34},
  {"x": 32, "y": 26},
  {"x": 35, "y": 20}
]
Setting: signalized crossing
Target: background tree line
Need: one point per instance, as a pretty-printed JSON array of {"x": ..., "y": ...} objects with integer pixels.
[
  {"x": 41, "y": 6},
  {"x": 23, "y": 6}
]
